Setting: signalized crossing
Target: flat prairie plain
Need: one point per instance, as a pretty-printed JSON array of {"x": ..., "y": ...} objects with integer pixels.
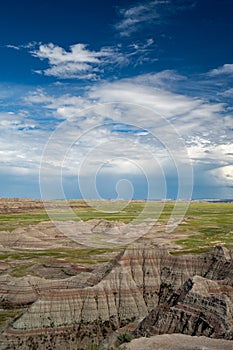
[{"x": 204, "y": 224}]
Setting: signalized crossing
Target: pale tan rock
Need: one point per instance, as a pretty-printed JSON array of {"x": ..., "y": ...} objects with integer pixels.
[{"x": 178, "y": 342}]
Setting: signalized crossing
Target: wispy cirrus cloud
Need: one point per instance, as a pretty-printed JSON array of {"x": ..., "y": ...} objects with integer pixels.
[
  {"x": 14, "y": 47},
  {"x": 141, "y": 52},
  {"x": 147, "y": 12},
  {"x": 227, "y": 93},
  {"x": 134, "y": 17},
  {"x": 29, "y": 45}
]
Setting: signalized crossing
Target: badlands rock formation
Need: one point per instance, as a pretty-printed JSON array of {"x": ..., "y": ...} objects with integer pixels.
[
  {"x": 21, "y": 292},
  {"x": 94, "y": 233},
  {"x": 178, "y": 342},
  {"x": 18, "y": 205},
  {"x": 41, "y": 236},
  {"x": 145, "y": 285}
]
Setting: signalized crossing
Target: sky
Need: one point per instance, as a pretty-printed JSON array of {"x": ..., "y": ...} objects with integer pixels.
[{"x": 116, "y": 99}]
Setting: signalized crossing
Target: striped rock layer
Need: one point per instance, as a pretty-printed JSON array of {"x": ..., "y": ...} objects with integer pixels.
[{"x": 162, "y": 293}]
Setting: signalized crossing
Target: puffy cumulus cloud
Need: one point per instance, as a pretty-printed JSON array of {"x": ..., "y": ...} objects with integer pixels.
[
  {"x": 77, "y": 63},
  {"x": 225, "y": 69},
  {"x": 63, "y": 106},
  {"x": 205, "y": 151},
  {"x": 78, "y": 53},
  {"x": 11, "y": 121},
  {"x": 223, "y": 175}
]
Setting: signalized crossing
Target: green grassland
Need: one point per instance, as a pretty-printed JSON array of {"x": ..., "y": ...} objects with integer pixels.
[
  {"x": 9, "y": 222},
  {"x": 76, "y": 256},
  {"x": 205, "y": 223},
  {"x": 84, "y": 211}
]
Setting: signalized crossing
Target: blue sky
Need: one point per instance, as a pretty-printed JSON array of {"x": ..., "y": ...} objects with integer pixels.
[{"x": 116, "y": 99}]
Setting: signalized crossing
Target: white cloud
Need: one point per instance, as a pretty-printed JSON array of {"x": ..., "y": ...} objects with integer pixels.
[
  {"x": 227, "y": 93},
  {"x": 140, "y": 52},
  {"x": 136, "y": 119},
  {"x": 57, "y": 55},
  {"x": 190, "y": 118},
  {"x": 225, "y": 69},
  {"x": 79, "y": 62},
  {"x": 30, "y": 45},
  {"x": 162, "y": 79},
  {"x": 133, "y": 17},
  {"x": 65, "y": 106},
  {"x": 14, "y": 47},
  {"x": 21, "y": 142},
  {"x": 146, "y": 13},
  {"x": 133, "y": 91},
  {"x": 223, "y": 175}
]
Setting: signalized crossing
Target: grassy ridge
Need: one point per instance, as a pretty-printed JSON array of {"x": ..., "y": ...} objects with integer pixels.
[
  {"x": 11, "y": 221},
  {"x": 207, "y": 224}
]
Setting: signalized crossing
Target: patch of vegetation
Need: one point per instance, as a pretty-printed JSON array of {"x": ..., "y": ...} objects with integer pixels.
[
  {"x": 84, "y": 211},
  {"x": 125, "y": 337},
  {"x": 9, "y": 222},
  {"x": 7, "y": 315},
  {"x": 25, "y": 260},
  {"x": 68, "y": 253},
  {"x": 21, "y": 270},
  {"x": 206, "y": 224}
]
